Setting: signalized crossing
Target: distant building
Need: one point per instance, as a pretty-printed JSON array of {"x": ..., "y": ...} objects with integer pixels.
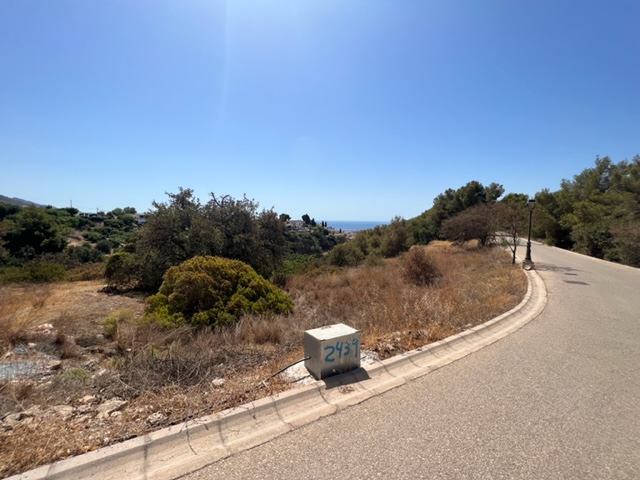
[
  {"x": 297, "y": 225},
  {"x": 141, "y": 218},
  {"x": 87, "y": 215}
]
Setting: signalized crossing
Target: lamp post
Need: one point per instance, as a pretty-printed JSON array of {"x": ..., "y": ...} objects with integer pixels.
[{"x": 531, "y": 203}]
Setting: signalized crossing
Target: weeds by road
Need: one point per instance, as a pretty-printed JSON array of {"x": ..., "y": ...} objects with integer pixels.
[{"x": 105, "y": 387}]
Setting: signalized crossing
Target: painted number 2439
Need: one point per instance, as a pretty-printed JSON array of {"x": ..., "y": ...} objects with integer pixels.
[{"x": 340, "y": 350}]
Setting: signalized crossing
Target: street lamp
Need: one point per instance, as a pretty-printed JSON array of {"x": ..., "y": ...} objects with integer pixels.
[{"x": 531, "y": 203}]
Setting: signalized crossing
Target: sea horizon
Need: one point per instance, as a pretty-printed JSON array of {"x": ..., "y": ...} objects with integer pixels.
[{"x": 355, "y": 224}]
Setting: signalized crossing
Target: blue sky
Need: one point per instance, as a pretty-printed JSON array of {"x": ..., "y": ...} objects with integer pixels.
[{"x": 342, "y": 109}]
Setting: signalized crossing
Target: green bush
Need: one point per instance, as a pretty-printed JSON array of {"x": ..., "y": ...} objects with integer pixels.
[
  {"x": 46, "y": 272},
  {"x": 111, "y": 323},
  {"x": 104, "y": 246},
  {"x": 122, "y": 271},
  {"x": 214, "y": 291},
  {"x": 36, "y": 272},
  {"x": 13, "y": 274},
  {"x": 84, "y": 254},
  {"x": 93, "y": 236},
  {"x": 297, "y": 263},
  {"x": 346, "y": 255},
  {"x": 86, "y": 271}
]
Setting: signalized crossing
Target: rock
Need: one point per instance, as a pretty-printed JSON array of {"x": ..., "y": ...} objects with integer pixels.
[
  {"x": 91, "y": 364},
  {"x": 82, "y": 419},
  {"x": 33, "y": 411},
  {"x": 88, "y": 399},
  {"x": 14, "y": 418},
  {"x": 23, "y": 418},
  {"x": 155, "y": 419},
  {"x": 63, "y": 411},
  {"x": 53, "y": 365},
  {"x": 369, "y": 357},
  {"x": 110, "y": 406},
  {"x": 99, "y": 373},
  {"x": 44, "y": 333},
  {"x": 82, "y": 409},
  {"x": 218, "y": 382}
]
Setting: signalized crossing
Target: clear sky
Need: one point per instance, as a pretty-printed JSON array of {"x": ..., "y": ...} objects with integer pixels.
[{"x": 342, "y": 109}]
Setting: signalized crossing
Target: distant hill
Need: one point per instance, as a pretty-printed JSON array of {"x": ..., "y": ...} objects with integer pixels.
[{"x": 18, "y": 201}]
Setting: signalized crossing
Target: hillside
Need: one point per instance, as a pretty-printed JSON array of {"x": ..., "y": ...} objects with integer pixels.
[{"x": 17, "y": 201}]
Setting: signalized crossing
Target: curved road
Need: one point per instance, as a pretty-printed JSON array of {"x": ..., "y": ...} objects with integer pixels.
[{"x": 558, "y": 399}]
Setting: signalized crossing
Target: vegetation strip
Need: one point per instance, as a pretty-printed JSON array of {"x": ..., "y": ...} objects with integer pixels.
[{"x": 176, "y": 451}]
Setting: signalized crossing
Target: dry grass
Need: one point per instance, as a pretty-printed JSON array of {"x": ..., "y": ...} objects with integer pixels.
[
  {"x": 170, "y": 376},
  {"x": 20, "y": 309},
  {"x": 476, "y": 285},
  {"x": 74, "y": 309}
]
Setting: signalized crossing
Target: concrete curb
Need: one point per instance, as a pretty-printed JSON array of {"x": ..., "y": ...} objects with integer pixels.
[{"x": 180, "y": 449}]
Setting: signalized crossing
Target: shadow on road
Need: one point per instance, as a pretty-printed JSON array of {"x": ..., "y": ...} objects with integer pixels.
[{"x": 544, "y": 267}]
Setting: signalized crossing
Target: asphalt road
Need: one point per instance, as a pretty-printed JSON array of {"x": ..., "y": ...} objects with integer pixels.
[{"x": 558, "y": 399}]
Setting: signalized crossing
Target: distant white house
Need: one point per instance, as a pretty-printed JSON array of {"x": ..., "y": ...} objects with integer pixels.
[
  {"x": 87, "y": 215},
  {"x": 297, "y": 225},
  {"x": 141, "y": 218}
]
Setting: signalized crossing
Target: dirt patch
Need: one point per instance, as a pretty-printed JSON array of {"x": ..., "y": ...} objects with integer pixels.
[{"x": 78, "y": 306}]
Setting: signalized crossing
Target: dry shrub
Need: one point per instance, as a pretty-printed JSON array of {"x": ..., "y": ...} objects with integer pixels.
[
  {"x": 419, "y": 268},
  {"x": 68, "y": 347},
  {"x": 14, "y": 393},
  {"x": 475, "y": 285},
  {"x": 260, "y": 330},
  {"x": 86, "y": 271},
  {"x": 152, "y": 357},
  {"x": 19, "y": 311}
]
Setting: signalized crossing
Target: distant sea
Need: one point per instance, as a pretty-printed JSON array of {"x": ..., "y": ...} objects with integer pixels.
[{"x": 353, "y": 224}]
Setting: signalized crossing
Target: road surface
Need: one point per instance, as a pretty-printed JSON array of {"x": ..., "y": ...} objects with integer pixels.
[{"x": 558, "y": 399}]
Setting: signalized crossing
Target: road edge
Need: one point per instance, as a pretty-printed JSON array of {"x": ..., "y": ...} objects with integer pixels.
[{"x": 180, "y": 449}]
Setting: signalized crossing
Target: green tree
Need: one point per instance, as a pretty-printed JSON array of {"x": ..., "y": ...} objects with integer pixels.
[
  {"x": 33, "y": 232},
  {"x": 493, "y": 192},
  {"x": 246, "y": 236},
  {"x": 395, "y": 239},
  {"x": 273, "y": 244},
  {"x": 590, "y": 213},
  {"x": 346, "y": 255},
  {"x": 174, "y": 232},
  {"x": 8, "y": 209},
  {"x": 426, "y": 227},
  {"x": 123, "y": 271},
  {"x": 626, "y": 241}
]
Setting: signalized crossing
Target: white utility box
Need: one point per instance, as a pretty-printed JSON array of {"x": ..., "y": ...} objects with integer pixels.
[{"x": 331, "y": 350}]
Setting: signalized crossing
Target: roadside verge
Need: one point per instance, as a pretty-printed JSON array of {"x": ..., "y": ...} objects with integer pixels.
[{"x": 180, "y": 449}]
